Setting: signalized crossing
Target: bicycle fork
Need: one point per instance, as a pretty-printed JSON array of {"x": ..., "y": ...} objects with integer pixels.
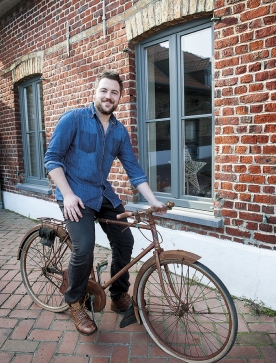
[{"x": 157, "y": 252}]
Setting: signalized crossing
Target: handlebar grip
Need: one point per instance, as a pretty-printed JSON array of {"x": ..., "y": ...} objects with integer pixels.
[{"x": 169, "y": 205}]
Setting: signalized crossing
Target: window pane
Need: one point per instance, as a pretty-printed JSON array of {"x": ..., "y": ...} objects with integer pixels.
[
  {"x": 196, "y": 53},
  {"x": 34, "y": 138},
  {"x": 40, "y": 107},
  {"x": 197, "y": 157},
  {"x": 42, "y": 153},
  {"x": 32, "y": 155},
  {"x": 30, "y": 124},
  {"x": 42, "y": 137},
  {"x": 159, "y": 156},
  {"x": 158, "y": 81}
]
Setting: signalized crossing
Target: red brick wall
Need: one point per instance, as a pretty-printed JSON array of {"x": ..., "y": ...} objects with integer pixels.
[
  {"x": 244, "y": 78},
  {"x": 68, "y": 81},
  {"x": 245, "y": 119}
]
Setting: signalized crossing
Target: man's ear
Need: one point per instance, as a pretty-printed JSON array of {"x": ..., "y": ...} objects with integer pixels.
[{"x": 93, "y": 93}]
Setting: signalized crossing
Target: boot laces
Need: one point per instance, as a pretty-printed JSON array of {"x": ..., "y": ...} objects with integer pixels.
[{"x": 81, "y": 312}]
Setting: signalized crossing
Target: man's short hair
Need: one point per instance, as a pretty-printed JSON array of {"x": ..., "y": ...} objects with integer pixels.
[{"x": 114, "y": 75}]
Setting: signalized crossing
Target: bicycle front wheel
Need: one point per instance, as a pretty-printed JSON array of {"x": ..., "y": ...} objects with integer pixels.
[
  {"x": 194, "y": 319},
  {"x": 41, "y": 269}
]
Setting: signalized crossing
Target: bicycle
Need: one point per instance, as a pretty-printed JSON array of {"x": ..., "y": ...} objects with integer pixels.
[{"x": 184, "y": 306}]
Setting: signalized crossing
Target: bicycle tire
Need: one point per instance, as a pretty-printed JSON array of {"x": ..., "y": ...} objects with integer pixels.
[
  {"x": 197, "y": 322},
  {"x": 41, "y": 283}
]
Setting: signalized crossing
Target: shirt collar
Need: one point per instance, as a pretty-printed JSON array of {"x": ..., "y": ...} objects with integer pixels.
[{"x": 94, "y": 113}]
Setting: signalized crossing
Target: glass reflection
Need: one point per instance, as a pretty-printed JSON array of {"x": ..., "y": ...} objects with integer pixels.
[
  {"x": 197, "y": 82},
  {"x": 159, "y": 156},
  {"x": 158, "y": 81},
  {"x": 197, "y": 157}
]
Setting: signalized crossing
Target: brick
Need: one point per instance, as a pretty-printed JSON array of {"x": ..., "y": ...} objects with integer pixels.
[
  {"x": 265, "y": 199},
  {"x": 265, "y": 118},
  {"x": 227, "y": 139},
  {"x": 265, "y": 32},
  {"x": 269, "y": 149},
  {"x": 252, "y": 226},
  {"x": 255, "y": 87},
  {"x": 260, "y": 97},
  {"x": 246, "y": 78},
  {"x": 241, "y": 110},
  {"x": 26, "y": 358},
  {"x": 256, "y": 13},
  {"x": 44, "y": 335},
  {"x": 45, "y": 352},
  {"x": 241, "y": 69},
  {"x": 25, "y": 346},
  {"x": 251, "y": 4},
  {"x": 94, "y": 350},
  {"x": 258, "y": 179},
  {"x": 6, "y": 357},
  {"x": 7, "y": 323},
  {"x": 256, "y": 108},
  {"x": 268, "y": 352},
  {"x": 270, "y": 107},
  {"x": 22, "y": 329},
  {"x": 237, "y": 232},
  {"x": 255, "y": 67}
]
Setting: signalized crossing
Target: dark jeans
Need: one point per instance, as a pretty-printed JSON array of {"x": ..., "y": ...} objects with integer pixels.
[{"x": 82, "y": 234}]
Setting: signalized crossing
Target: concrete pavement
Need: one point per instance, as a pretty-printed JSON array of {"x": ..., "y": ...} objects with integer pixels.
[{"x": 29, "y": 334}]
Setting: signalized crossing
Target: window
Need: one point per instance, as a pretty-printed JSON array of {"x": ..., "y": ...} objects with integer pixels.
[
  {"x": 33, "y": 131},
  {"x": 175, "y": 97}
]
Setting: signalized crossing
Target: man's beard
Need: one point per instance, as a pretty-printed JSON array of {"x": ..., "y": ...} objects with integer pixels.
[{"x": 104, "y": 112}]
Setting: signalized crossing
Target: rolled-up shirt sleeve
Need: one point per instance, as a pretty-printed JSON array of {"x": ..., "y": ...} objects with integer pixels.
[
  {"x": 126, "y": 156},
  {"x": 60, "y": 142}
]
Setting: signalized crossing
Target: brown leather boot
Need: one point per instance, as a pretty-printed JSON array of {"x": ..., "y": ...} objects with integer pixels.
[
  {"x": 121, "y": 305},
  {"x": 82, "y": 320}
]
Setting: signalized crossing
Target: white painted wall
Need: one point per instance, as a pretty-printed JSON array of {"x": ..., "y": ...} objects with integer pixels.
[{"x": 245, "y": 270}]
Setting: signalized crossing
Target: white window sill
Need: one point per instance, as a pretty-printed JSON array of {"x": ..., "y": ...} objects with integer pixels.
[
  {"x": 183, "y": 215},
  {"x": 34, "y": 188}
]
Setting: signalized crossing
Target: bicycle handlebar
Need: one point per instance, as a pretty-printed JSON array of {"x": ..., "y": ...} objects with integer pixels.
[{"x": 169, "y": 205}]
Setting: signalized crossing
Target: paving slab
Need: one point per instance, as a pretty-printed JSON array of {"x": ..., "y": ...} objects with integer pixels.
[{"x": 29, "y": 334}]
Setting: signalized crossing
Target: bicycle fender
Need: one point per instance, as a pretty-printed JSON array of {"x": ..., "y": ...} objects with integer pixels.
[
  {"x": 60, "y": 231},
  {"x": 165, "y": 255}
]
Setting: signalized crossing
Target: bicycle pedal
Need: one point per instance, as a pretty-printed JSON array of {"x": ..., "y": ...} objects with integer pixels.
[
  {"x": 102, "y": 265},
  {"x": 100, "y": 268},
  {"x": 91, "y": 300}
]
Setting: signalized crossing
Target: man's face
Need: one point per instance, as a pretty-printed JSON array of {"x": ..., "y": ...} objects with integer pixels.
[{"x": 107, "y": 96}]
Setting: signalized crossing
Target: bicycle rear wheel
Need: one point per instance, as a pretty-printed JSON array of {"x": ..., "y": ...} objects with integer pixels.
[
  {"x": 41, "y": 269},
  {"x": 196, "y": 319}
]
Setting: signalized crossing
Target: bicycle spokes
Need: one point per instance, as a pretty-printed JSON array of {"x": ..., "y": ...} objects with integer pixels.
[{"x": 191, "y": 318}]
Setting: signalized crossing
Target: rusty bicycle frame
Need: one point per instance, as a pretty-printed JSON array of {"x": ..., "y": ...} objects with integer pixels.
[
  {"x": 57, "y": 246},
  {"x": 97, "y": 288}
]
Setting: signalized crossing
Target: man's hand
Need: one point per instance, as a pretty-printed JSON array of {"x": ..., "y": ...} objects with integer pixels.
[
  {"x": 71, "y": 202},
  {"x": 157, "y": 204},
  {"x": 147, "y": 193},
  {"x": 71, "y": 207}
]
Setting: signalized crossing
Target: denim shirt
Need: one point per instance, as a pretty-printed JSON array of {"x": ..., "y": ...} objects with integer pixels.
[{"x": 80, "y": 146}]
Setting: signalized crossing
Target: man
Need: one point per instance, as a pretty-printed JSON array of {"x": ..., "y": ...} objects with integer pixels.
[{"x": 79, "y": 157}]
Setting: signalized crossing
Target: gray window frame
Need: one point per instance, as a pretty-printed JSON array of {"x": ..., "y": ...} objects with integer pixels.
[
  {"x": 40, "y": 181},
  {"x": 173, "y": 35}
]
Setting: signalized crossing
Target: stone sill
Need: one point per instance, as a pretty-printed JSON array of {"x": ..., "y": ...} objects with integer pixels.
[
  {"x": 183, "y": 215},
  {"x": 34, "y": 188}
]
